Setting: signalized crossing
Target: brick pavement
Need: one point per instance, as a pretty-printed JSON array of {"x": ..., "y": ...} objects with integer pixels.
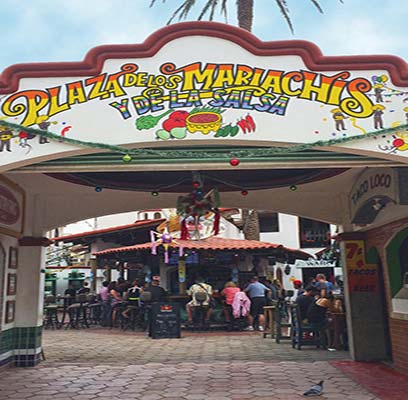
[{"x": 98, "y": 364}]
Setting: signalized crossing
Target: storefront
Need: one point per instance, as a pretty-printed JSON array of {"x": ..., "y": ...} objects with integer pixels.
[{"x": 273, "y": 126}]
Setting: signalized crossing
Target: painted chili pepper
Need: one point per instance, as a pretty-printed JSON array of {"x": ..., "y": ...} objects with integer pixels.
[
  {"x": 243, "y": 124},
  {"x": 251, "y": 122}
]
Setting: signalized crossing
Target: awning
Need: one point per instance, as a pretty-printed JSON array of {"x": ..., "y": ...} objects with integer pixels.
[{"x": 212, "y": 243}]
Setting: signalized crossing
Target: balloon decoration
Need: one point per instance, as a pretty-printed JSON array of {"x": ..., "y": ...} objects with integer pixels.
[
  {"x": 195, "y": 205},
  {"x": 164, "y": 239}
]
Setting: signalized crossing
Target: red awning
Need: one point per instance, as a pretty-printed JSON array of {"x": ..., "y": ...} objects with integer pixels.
[
  {"x": 213, "y": 243},
  {"x": 135, "y": 225}
]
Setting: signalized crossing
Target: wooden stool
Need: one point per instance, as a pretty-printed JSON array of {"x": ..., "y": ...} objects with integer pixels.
[{"x": 269, "y": 312}]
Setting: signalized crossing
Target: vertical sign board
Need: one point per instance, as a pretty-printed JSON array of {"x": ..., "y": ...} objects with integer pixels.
[
  {"x": 11, "y": 208},
  {"x": 165, "y": 320},
  {"x": 362, "y": 277}
]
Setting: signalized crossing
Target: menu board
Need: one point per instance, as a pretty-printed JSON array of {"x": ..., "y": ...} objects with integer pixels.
[{"x": 165, "y": 320}]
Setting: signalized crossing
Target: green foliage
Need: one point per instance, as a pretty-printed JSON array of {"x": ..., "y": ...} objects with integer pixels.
[{"x": 210, "y": 6}]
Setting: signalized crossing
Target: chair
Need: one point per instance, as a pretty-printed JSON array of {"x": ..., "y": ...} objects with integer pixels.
[
  {"x": 50, "y": 313},
  {"x": 95, "y": 309},
  {"x": 304, "y": 334},
  {"x": 280, "y": 315}
]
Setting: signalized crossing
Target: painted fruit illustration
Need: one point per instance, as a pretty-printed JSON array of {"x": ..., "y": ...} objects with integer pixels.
[
  {"x": 204, "y": 121},
  {"x": 174, "y": 126}
]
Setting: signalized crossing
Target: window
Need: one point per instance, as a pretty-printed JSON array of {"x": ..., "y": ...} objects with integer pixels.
[
  {"x": 268, "y": 221},
  {"x": 145, "y": 216},
  {"x": 157, "y": 215},
  {"x": 314, "y": 233}
]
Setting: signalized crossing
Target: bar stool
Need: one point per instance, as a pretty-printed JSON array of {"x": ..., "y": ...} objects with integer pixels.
[{"x": 269, "y": 312}]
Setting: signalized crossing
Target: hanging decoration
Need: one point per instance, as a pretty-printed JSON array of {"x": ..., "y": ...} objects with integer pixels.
[
  {"x": 164, "y": 239},
  {"x": 195, "y": 205},
  {"x": 174, "y": 153},
  {"x": 127, "y": 158}
]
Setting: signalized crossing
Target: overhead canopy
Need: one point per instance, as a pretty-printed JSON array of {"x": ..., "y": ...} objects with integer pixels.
[{"x": 212, "y": 243}]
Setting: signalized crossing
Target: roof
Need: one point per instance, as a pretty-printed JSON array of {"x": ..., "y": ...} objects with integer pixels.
[
  {"x": 212, "y": 243},
  {"x": 97, "y": 232}
]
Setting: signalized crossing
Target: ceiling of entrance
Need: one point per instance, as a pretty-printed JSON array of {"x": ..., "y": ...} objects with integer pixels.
[{"x": 181, "y": 181}]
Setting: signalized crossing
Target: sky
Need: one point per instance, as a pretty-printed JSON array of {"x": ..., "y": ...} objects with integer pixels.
[{"x": 62, "y": 30}]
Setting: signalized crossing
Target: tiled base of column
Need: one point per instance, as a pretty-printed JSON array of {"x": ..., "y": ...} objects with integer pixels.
[
  {"x": 27, "y": 360},
  {"x": 20, "y": 347}
]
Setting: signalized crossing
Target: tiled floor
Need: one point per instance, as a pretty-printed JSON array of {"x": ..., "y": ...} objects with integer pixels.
[{"x": 98, "y": 364}]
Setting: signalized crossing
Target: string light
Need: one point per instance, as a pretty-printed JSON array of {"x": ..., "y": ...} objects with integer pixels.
[
  {"x": 98, "y": 189},
  {"x": 155, "y": 193},
  {"x": 127, "y": 158},
  {"x": 293, "y": 188}
]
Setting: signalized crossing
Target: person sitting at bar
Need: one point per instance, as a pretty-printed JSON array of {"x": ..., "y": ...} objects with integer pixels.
[
  {"x": 317, "y": 312},
  {"x": 133, "y": 298},
  {"x": 197, "y": 291},
  {"x": 305, "y": 300},
  {"x": 84, "y": 289},
  {"x": 229, "y": 291}
]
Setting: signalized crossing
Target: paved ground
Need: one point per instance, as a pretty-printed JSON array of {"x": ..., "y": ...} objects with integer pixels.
[{"x": 98, "y": 364}]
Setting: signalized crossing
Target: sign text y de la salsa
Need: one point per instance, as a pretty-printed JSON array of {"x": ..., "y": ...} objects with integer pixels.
[{"x": 221, "y": 85}]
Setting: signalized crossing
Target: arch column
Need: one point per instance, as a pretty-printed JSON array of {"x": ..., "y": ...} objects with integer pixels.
[{"x": 30, "y": 287}]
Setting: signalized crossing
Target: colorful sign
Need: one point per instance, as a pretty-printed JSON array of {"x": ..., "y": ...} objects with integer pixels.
[
  {"x": 362, "y": 277},
  {"x": 203, "y": 87},
  {"x": 373, "y": 188},
  {"x": 181, "y": 271},
  {"x": 11, "y": 208}
]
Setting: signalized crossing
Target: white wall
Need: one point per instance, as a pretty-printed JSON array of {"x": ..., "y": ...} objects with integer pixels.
[{"x": 288, "y": 232}]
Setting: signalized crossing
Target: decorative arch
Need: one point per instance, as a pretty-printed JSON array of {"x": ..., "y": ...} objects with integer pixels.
[{"x": 392, "y": 252}]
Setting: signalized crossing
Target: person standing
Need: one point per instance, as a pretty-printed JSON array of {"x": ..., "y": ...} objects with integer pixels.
[
  {"x": 257, "y": 293},
  {"x": 325, "y": 288},
  {"x": 157, "y": 292},
  {"x": 229, "y": 291}
]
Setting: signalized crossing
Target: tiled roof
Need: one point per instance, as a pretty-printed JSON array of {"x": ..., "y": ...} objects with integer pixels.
[
  {"x": 135, "y": 225},
  {"x": 213, "y": 243}
]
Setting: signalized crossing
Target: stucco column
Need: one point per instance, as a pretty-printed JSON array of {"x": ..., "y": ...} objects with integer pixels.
[{"x": 30, "y": 287}]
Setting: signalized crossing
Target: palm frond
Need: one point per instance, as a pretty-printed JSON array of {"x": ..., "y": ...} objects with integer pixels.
[
  {"x": 224, "y": 9},
  {"x": 317, "y": 5},
  {"x": 182, "y": 11},
  {"x": 283, "y": 7},
  {"x": 210, "y": 5}
]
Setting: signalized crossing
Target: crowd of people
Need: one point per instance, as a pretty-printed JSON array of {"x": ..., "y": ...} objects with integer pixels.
[{"x": 245, "y": 303}]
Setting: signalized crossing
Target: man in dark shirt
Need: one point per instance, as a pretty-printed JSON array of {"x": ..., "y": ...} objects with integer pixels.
[
  {"x": 157, "y": 292},
  {"x": 305, "y": 300},
  {"x": 70, "y": 291}
]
